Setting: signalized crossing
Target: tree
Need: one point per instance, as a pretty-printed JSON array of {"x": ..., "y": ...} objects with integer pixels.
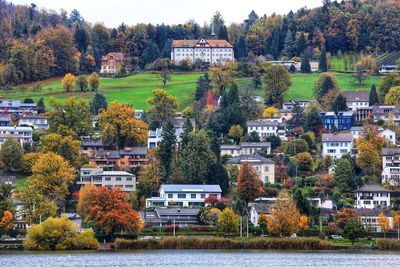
[
  {"x": 217, "y": 174},
  {"x": 388, "y": 81},
  {"x": 296, "y": 146},
  {"x": 277, "y": 81},
  {"x": 69, "y": 116},
  {"x": 150, "y": 174},
  {"x": 270, "y": 112},
  {"x": 235, "y": 132},
  {"x": 93, "y": 81},
  {"x": 313, "y": 121},
  {"x": 165, "y": 76},
  {"x": 120, "y": 128},
  {"x": 196, "y": 158},
  {"x": 325, "y": 83},
  {"x": 110, "y": 211},
  {"x": 368, "y": 63},
  {"x": 11, "y": 154},
  {"x": 370, "y": 134},
  {"x": 40, "y": 107},
  {"x": 5, "y": 198},
  {"x": 248, "y": 184},
  {"x": 166, "y": 150},
  {"x": 368, "y": 158},
  {"x": 345, "y": 216},
  {"x": 303, "y": 222},
  {"x": 202, "y": 87},
  {"x": 343, "y": 176},
  {"x": 298, "y": 117},
  {"x": 353, "y": 230},
  {"x": 6, "y": 222},
  {"x": 59, "y": 234},
  {"x": 51, "y": 176},
  {"x": 86, "y": 193},
  {"x": 359, "y": 74},
  {"x": 263, "y": 223},
  {"x": 339, "y": 104},
  {"x": 81, "y": 82},
  {"x": 323, "y": 62},
  {"x": 289, "y": 45},
  {"x": 285, "y": 216},
  {"x": 98, "y": 103},
  {"x": 304, "y": 161},
  {"x": 66, "y": 147},
  {"x": 222, "y": 77},
  {"x": 163, "y": 106},
  {"x": 228, "y": 221},
  {"x": 305, "y": 66},
  {"x": 373, "y": 96},
  {"x": 383, "y": 223},
  {"x": 393, "y": 96},
  {"x": 209, "y": 216},
  {"x": 275, "y": 141},
  {"x": 68, "y": 82},
  {"x": 187, "y": 128}
]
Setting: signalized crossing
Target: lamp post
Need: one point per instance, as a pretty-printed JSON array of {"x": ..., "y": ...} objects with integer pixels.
[{"x": 174, "y": 227}]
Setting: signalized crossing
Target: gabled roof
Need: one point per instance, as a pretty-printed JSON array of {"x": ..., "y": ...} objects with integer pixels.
[
  {"x": 192, "y": 43},
  {"x": 190, "y": 188},
  {"x": 115, "y": 55},
  {"x": 337, "y": 137},
  {"x": 255, "y": 158},
  {"x": 387, "y": 151},
  {"x": 354, "y": 96},
  {"x": 92, "y": 142},
  {"x": 255, "y": 144},
  {"x": 373, "y": 212},
  {"x": 261, "y": 208},
  {"x": 372, "y": 188}
]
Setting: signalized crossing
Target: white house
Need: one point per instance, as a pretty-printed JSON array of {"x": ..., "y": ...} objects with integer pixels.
[
  {"x": 388, "y": 135},
  {"x": 290, "y": 105},
  {"x": 22, "y": 134},
  {"x": 184, "y": 195},
  {"x": 35, "y": 121},
  {"x": 391, "y": 166},
  {"x": 372, "y": 196},
  {"x": 336, "y": 145},
  {"x": 256, "y": 210},
  {"x": 208, "y": 51},
  {"x": 245, "y": 148},
  {"x": 369, "y": 219},
  {"x": 267, "y": 127},
  {"x": 356, "y": 99},
  {"x": 110, "y": 179}
]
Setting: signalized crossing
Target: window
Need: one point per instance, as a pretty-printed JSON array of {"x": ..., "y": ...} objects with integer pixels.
[
  {"x": 108, "y": 179},
  {"x": 213, "y": 195},
  {"x": 266, "y": 179},
  {"x": 181, "y": 195},
  {"x": 118, "y": 179},
  {"x": 367, "y": 202},
  {"x": 266, "y": 169},
  {"x": 203, "y": 195},
  {"x": 192, "y": 195},
  {"x": 129, "y": 178},
  {"x": 170, "y": 195}
]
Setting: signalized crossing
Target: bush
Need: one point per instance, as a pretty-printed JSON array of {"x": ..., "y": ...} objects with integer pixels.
[
  {"x": 388, "y": 244},
  {"x": 170, "y": 228}
]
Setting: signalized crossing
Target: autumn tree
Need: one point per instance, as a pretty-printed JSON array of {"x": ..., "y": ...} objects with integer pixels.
[
  {"x": 163, "y": 107},
  {"x": 368, "y": 158},
  {"x": 7, "y": 220},
  {"x": 325, "y": 83},
  {"x": 28, "y": 160},
  {"x": 222, "y": 77},
  {"x": 277, "y": 81},
  {"x": 304, "y": 161},
  {"x": 393, "y": 96},
  {"x": 263, "y": 223},
  {"x": 285, "y": 216},
  {"x": 68, "y": 82},
  {"x": 235, "y": 132},
  {"x": 248, "y": 184},
  {"x": 359, "y": 73},
  {"x": 369, "y": 64},
  {"x": 345, "y": 216},
  {"x": 81, "y": 82},
  {"x": 209, "y": 216},
  {"x": 150, "y": 174},
  {"x": 303, "y": 223},
  {"x": 270, "y": 112},
  {"x": 66, "y": 147},
  {"x": 383, "y": 223},
  {"x": 5, "y": 198},
  {"x": 388, "y": 81},
  {"x": 86, "y": 193},
  {"x": 93, "y": 81},
  {"x": 119, "y": 126},
  {"x": 165, "y": 76},
  {"x": 11, "y": 154},
  {"x": 228, "y": 221}
]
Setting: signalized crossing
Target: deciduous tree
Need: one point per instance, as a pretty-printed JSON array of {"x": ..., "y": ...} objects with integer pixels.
[
  {"x": 228, "y": 221},
  {"x": 163, "y": 106},
  {"x": 383, "y": 223},
  {"x": 7, "y": 220},
  {"x": 93, "y": 81},
  {"x": 81, "y": 82},
  {"x": 277, "y": 81},
  {"x": 393, "y": 96},
  {"x": 325, "y": 83},
  {"x": 11, "y": 154},
  {"x": 353, "y": 231},
  {"x": 248, "y": 184},
  {"x": 68, "y": 82},
  {"x": 236, "y": 132}
]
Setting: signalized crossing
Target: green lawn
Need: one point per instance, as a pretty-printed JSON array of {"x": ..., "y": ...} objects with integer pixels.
[{"x": 136, "y": 89}]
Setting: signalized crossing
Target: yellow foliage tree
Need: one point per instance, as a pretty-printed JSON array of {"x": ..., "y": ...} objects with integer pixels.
[
  {"x": 6, "y": 222},
  {"x": 86, "y": 194},
  {"x": 120, "y": 128},
  {"x": 222, "y": 76},
  {"x": 270, "y": 112},
  {"x": 303, "y": 223},
  {"x": 235, "y": 132},
  {"x": 393, "y": 96},
  {"x": 68, "y": 81},
  {"x": 383, "y": 222},
  {"x": 228, "y": 221},
  {"x": 163, "y": 105},
  {"x": 94, "y": 81},
  {"x": 64, "y": 146}
]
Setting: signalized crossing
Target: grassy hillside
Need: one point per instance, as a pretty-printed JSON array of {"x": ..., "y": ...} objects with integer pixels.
[{"x": 136, "y": 89}]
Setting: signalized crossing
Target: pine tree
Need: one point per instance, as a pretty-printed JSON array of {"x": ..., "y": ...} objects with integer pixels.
[
  {"x": 166, "y": 150},
  {"x": 305, "y": 66},
  {"x": 373, "y": 96},
  {"x": 313, "y": 121},
  {"x": 98, "y": 102},
  {"x": 323, "y": 64},
  {"x": 301, "y": 44},
  {"x": 298, "y": 117},
  {"x": 202, "y": 86},
  {"x": 240, "y": 48},
  {"x": 288, "y": 48},
  {"x": 339, "y": 104},
  {"x": 343, "y": 176},
  {"x": 40, "y": 107},
  {"x": 187, "y": 129},
  {"x": 217, "y": 174}
]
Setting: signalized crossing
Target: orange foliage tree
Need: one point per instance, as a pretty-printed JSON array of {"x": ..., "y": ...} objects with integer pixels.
[
  {"x": 248, "y": 185},
  {"x": 383, "y": 222},
  {"x": 110, "y": 210},
  {"x": 7, "y": 221},
  {"x": 345, "y": 216}
]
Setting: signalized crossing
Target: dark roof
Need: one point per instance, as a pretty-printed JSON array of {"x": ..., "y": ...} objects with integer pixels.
[
  {"x": 255, "y": 144},
  {"x": 337, "y": 137},
  {"x": 372, "y": 188},
  {"x": 11, "y": 180},
  {"x": 191, "y": 188},
  {"x": 386, "y": 151},
  {"x": 373, "y": 212},
  {"x": 262, "y": 123},
  {"x": 133, "y": 151},
  {"x": 92, "y": 142},
  {"x": 353, "y": 96},
  {"x": 381, "y": 110},
  {"x": 255, "y": 158},
  {"x": 110, "y": 154},
  {"x": 261, "y": 208},
  {"x": 176, "y": 211}
]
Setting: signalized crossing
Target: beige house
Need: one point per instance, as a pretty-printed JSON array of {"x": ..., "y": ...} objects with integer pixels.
[
  {"x": 111, "y": 63},
  {"x": 264, "y": 167}
]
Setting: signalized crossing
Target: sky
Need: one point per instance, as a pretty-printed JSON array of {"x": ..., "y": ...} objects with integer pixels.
[{"x": 113, "y": 12}]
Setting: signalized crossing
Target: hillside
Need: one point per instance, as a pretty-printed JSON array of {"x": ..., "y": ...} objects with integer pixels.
[{"x": 136, "y": 89}]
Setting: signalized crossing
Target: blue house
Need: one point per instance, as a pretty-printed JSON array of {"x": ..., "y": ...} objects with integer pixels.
[{"x": 343, "y": 120}]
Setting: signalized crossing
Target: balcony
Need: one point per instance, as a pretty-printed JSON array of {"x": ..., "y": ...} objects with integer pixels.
[{"x": 366, "y": 197}]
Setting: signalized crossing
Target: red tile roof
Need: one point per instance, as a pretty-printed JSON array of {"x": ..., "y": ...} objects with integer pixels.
[{"x": 192, "y": 43}]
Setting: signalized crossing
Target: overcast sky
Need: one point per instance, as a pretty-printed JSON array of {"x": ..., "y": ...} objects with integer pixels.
[{"x": 113, "y": 12}]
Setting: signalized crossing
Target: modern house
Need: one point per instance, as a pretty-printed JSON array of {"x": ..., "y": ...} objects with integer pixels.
[
  {"x": 265, "y": 168},
  {"x": 110, "y": 179},
  {"x": 369, "y": 219},
  {"x": 17, "y": 107},
  {"x": 169, "y": 216},
  {"x": 127, "y": 158},
  {"x": 22, "y": 134},
  {"x": 387, "y": 114},
  {"x": 356, "y": 99},
  {"x": 267, "y": 127},
  {"x": 208, "y": 51},
  {"x": 342, "y": 120},
  {"x": 372, "y": 196},
  {"x": 184, "y": 195},
  {"x": 35, "y": 121},
  {"x": 391, "y": 166},
  {"x": 363, "y": 113},
  {"x": 336, "y": 145},
  {"x": 112, "y": 63},
  {"x": 245, "y": 148}
]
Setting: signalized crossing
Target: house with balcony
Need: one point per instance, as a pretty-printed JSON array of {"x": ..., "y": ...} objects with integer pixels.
[
  {"x": 336, "y": 145},
  {"x": 372, "y": 196},
  {"x": 387, "y": 114},
  {"x": 342, "y": 120},
  {"x": 356, "y": 99},
  {"x": 391, "y": 166},
  {"x": 17, "y": 107},
  {"x": 35, "y": 121},
  {"x": 22, "y": 135},
  {"x": 110, "y": 179},
  {"x": 167, "y": 216},
  {"x": 112, "y": 63},
  {"x": 5, "y": 119},
  {"x": 184, "y": 195},
  {"x": 268, "y": 127},
  {"x": 245, "y": 148},
  {"x": 265, "y": 168},
  {"x": 127, "y": 158}
]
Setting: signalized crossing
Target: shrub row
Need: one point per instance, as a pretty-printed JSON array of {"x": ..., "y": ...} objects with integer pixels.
[
  {"x": 223, "y": 243},
  {"x": 388, "y": 244}
]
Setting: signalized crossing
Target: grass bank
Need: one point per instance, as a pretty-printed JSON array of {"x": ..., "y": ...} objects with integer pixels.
[{"x": 224, "y": 243}]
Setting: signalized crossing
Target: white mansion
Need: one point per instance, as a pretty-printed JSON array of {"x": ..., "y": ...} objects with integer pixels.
[{"x": 209, "y": 51}]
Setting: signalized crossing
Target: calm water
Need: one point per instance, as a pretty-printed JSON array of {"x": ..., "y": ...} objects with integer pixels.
[{"x": 201, "y": 258}]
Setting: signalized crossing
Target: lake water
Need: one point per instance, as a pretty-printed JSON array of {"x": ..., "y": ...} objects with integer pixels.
[{"x": 230, "y": 258}]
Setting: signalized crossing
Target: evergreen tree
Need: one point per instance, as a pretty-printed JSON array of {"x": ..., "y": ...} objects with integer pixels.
[
  {"x": 40, "y": 107},
  {"x": 298, "y": 117},
  {"x": 313, "y": 121},
  {"x": 217, "y": 175},
  {"x": 289, "y": 48},
  {"x": 150, "y": 54},
  {"x": 273, "y": 44},
  {"x": 305, "y": 66},
  {"x": 222, "y": 33},
  {"x": 323, "y": 64},
  {"x": 373, "y": 96},
  {"x": 166, "y": 151},
  {"x": 11, "y": 154},
  {"x": 344, "y": 176},
  {"x": 215, "y": 147},
  {"x": 202, "y": 86},
  {"x": 339, "y": 104},
  {"x": 187, "y": 129},
  {"x": 301, "y": 44},
  {"x": 323, "y": 85},
  {"x": 98, "y": 102},
  {"x": 240, "y": 48}
]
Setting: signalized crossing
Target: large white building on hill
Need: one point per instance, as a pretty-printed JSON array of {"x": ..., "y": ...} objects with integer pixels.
[{"x": 208, "y": 51}]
